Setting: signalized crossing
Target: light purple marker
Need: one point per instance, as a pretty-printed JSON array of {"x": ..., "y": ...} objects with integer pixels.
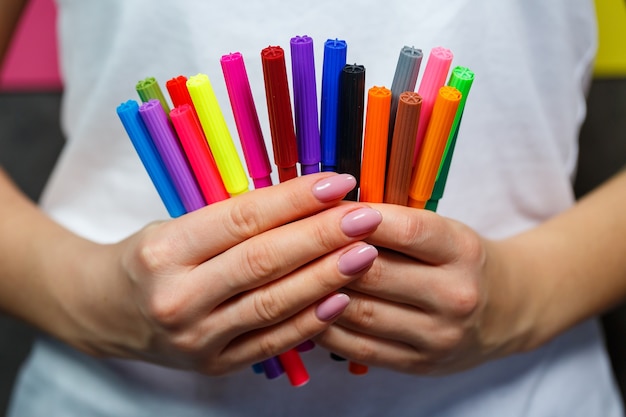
[
  {"x": 169, "y": 148},
  {"x": 305, "y": 104},
  {"x": 246, "y": 119}
]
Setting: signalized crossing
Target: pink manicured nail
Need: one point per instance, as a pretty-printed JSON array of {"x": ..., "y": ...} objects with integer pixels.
[
  {"x": 361, "y": 221},
  {"x": 357, "y": 259},
  {"x": 333, "y": 187},
  {"x": 332, "y": 307}
]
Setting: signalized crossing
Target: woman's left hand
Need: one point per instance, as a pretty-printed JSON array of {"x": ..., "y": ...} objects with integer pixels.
[{"x": 429, "y": 304}]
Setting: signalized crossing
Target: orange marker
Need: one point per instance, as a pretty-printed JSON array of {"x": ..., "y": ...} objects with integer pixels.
[
  {"x": 374, "y": 158},
  {"x": 433, "y": 146},
  {"x": 402, "y": 148}
]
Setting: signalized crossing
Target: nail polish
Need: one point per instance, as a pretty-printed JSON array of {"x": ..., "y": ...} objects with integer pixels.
[
  {"x": 358, "y": 222},
  {"x": 357, "y": 259},
  {"x": 332, "y": 307},
  {"x": 334, "y": 187}
]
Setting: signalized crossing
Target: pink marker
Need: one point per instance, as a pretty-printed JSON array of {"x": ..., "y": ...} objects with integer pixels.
[
  {"x": 198, "y": 153},
  {"x": 434, "y": 78},
  {"x": 246, "y": 119}
]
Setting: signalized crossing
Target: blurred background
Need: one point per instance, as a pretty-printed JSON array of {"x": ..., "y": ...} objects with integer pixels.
[{"x": 30, "y": 89}]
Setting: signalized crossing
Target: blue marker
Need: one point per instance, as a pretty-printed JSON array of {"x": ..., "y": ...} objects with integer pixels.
[
  {"x": 128, "y": 113},
  {"x": 334, "y": 61}
]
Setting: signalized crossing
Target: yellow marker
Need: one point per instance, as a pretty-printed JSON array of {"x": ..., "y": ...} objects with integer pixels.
[
  {"x": 431, "y": 151},
  {"x": 217, "y": 134}
]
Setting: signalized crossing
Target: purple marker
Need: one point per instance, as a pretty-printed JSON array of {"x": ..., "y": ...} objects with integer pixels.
[
  {"x": 246, "y": 119},
  {"x": 305, "y": 104},
  {"x": 169, "y": 148}
]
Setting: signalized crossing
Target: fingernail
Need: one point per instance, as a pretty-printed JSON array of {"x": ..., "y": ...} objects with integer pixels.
[
  {"x": 332, "y": 307},
  {"x": 360, "y": 221},
  {"x": 333, "y": 187},
  {"x": 357, "y": 259}
]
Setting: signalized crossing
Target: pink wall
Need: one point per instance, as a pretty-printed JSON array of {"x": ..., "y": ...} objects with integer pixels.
[{"x": 31, "y": 62}]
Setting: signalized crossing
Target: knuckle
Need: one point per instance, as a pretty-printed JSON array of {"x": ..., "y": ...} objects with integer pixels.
[
  {"x": 472, "y": 249},
  {"x": 154, "y": 254},
  {"x": 363, "y": 351},
  {"x": 324, "y": 236},
  {"x": 465, "y": 300},
  {"x": 363, "y": 314},
  {"x": 187, "y": 343},
  {"x": 268, "y": 306},
  {"x": 218, "y": 369},
  {"x": 260, "y": 261},
  {"x": 413, "y": 231},
  {"x": 244, "y": 219},
  {"x": 421, "y": 366},
  {"x": 165, "y": 310},
  {"x": 295, "y": 201},
  {"x": 269, "y": 346},
  {"x": 449, "y": 341}
]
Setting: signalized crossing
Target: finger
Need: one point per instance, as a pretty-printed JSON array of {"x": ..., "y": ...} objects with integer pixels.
[
  {"x": 202, "y": 234},
  {"x": 400, "y": 279},
  {"x": 372, "y": 351},
  {"x": 420, "y": 234},
  {"x": 373, "y": 317},
  {"x": 269, "y": 342},
  {"x": 278, "y": 252},
  {"x": 288, "y": 311},
  {"x": 283, "y": 298},
  {"x": 182, "y": 299}
]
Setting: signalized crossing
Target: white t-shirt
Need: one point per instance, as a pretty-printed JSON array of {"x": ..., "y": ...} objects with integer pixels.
[{"x": 513, "y": 165}]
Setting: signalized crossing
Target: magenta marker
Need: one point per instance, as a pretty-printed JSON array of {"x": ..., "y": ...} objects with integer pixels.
[
  {"x": 434, "y": 78},
  {"x": 246, "y": 119},
  {"x": 305, "y": 104},
  {"x": 169, "y": 148}
]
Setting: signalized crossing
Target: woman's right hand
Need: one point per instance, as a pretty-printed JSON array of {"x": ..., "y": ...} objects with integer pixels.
[{"x": 228, "y": 285}]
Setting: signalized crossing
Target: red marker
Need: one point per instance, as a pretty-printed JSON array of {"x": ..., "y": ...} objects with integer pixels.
[{"x": 280, "y": 115}]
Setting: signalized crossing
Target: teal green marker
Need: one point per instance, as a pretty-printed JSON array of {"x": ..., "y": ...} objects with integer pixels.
[{"x": 461, "y": 78}]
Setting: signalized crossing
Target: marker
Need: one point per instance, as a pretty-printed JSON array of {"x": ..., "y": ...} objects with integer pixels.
[
  {"x": 334, "y": 61},
  {"x": 404, "y": 79},
  {"x": 217, "y": 134},
  {"x": 246, "y": 119},
  {"x": 191, "y": 133},
  {"x": 128, "y": 113},
  {"x": 434, "y": 78},
  {"x": 462, "y": 79},
  {"x": 177, "y": 89},
  {"x": 350, "y": 128},
  {"x": 305, "y": 104},
  {"x": 374, "y": 160},
  {"x": 149, "y": 89},
  {"x": 402, "y": 147},
  {"x": 279, "y": 112},
  {"x": 294, "y": 367},
  {"x": 429, "y": 156},
  {"x": 169, "y": 148},
  {"x": 249, "y": 128},
  {"x": 198, "y": 153}
]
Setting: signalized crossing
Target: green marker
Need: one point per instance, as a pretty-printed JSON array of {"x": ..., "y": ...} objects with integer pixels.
[
  {"x": 461, "y": 78},
  {"x": 149, "y": 89}
]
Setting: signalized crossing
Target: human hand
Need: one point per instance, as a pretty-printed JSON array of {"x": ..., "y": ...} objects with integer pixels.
[
  {"x": 434, "y": 302},
  {"x": 229, "y": 285}
]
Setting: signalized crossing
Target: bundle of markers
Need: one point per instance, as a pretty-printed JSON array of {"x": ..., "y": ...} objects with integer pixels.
[{"x": 398, "y": 146}]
